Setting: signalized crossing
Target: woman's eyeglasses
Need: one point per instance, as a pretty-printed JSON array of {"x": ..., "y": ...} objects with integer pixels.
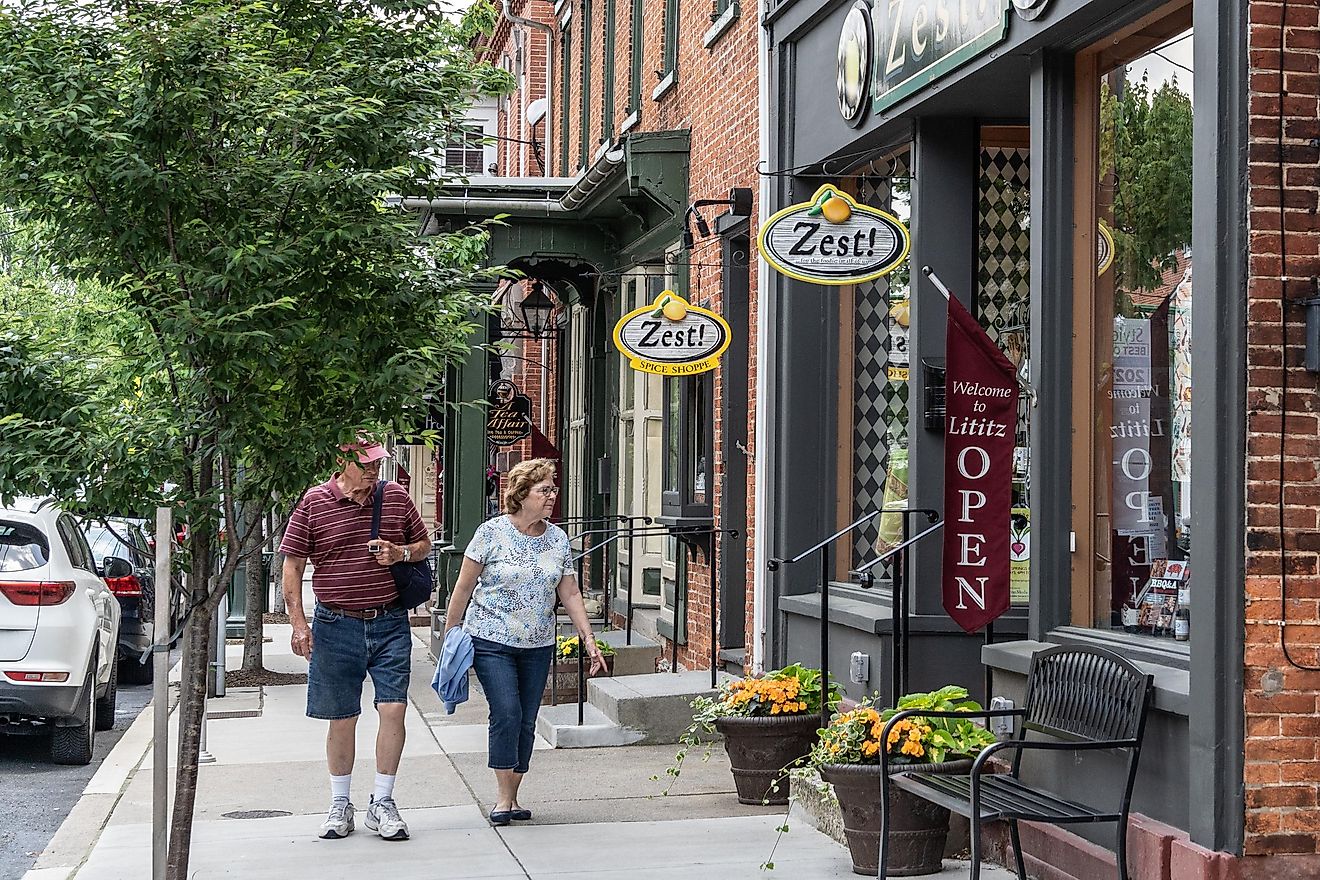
[{"x": 546, "y": 491}]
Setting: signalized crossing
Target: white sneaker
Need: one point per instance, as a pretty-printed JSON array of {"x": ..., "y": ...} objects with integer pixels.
[
  {"x": 339, "y": 822},
  {"x": 384, "y": 819}
]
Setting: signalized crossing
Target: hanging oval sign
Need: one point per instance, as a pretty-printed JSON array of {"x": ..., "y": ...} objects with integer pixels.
[
  {"x": 672, "y": 337},
  {"x": 833, "y": 240},
  {"x": 1104, "y": 249}
]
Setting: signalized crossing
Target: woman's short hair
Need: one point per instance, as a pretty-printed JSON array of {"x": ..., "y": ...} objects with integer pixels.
[{"x": 522, "y": 477}]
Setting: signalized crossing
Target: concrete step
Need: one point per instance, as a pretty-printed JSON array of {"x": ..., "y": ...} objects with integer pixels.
[
  {"x": 635, "y": 659},
  {"x": 657, "y": 706},
  {"x": 558, "y": 725}
]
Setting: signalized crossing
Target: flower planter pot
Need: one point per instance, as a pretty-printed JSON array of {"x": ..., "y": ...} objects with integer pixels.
[
  {"x": 760, "y": 749},
  {"x": 917, "y": 828},
  {"x": 561, "y": 685}
]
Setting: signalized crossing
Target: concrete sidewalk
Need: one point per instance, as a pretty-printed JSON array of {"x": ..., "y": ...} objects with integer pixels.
[{"x": 259, "y": 806}]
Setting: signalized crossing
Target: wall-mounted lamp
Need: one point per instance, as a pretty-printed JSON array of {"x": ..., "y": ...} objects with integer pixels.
[
  {"x": 537, "y": 309},
  {"x": 1312, "y": 305},
  {"x": 740, "y": 205}
]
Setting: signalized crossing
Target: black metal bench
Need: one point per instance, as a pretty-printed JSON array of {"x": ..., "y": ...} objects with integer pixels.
[{"x": 1079, "y": 698}]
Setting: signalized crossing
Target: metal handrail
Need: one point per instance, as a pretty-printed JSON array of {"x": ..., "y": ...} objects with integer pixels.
[
  {"x": 714, "y": 640},
  {"x": 866, "y": 569},
  {"x": 898, "y": 594},
  {"x": 774, "y": 564}
]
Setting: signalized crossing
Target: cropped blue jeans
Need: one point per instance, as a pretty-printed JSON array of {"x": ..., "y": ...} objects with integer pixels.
[{"x": 513, "y": 680}]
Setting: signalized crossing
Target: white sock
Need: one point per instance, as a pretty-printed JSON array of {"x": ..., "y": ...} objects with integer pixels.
[
  {"x": 339, "y": 785},
  {"x": 384, "y": 787}
]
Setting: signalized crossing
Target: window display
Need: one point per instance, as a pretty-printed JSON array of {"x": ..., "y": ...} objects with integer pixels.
[{"x": 1143, "y": 294}]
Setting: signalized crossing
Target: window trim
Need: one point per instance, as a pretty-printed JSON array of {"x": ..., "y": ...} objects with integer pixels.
[
  {"x": 637, "y": 47},
  {"x": 726, "y": 12},
  {"x": 584, "y": 88},
  {"x": 566, "y": 61},
  {"x": 607, "y": 86}
]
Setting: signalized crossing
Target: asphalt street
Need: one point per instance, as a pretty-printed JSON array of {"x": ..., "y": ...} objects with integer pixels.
[{"x": 36, "y": 795}]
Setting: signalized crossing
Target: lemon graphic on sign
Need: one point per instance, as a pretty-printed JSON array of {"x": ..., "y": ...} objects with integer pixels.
[
  {"x": 670, "y": 306},
  {"x": 832, "y": 206}
]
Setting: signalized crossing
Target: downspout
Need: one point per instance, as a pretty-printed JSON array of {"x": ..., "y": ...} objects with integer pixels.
[
  {"x": 549, "y": 72},
  {"x": 762, "y": 589}
]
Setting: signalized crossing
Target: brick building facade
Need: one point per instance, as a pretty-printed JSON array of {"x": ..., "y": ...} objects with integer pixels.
[
  {"x": 1002, "y": 165},
  {"x": 1282, "y": 646},
  {"x": 620, "y": 71}
]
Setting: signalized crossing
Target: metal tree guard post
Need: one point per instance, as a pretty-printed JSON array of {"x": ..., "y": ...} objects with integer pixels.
[{"x": 823, "y": 547}]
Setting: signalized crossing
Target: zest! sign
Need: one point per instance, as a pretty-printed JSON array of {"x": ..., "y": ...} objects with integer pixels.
[
  {"x": 918, "y": 41},
  {"x": 833, "y": 239},
  {"x": 672, "y": 337}
]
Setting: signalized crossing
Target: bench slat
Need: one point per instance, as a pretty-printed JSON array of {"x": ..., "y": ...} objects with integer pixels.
[{"x": 1002, "y": 797}]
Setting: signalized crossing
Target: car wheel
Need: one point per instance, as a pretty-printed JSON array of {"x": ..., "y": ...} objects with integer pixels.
[
  {"x": 73, "y": 745},
  {"x": 105, "y": 705},
  {"x": 135, "y": 672}
]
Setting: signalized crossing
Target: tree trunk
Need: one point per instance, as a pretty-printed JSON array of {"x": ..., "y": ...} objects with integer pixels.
[
  {"x": 192, "y": 702},
  {"x": 257, "y": 590}
]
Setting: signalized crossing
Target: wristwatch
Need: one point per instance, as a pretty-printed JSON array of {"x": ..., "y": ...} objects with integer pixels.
[{"x": 407, "y": 555}]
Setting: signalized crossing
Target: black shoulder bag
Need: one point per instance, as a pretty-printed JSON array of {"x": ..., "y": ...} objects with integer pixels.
[{"x": 413, "y": 580}]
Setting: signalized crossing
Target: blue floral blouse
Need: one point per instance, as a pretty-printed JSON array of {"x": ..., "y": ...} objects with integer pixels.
[{"x": 514, "y": 600}]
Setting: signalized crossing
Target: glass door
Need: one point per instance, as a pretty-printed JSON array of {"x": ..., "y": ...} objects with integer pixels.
[{"x": 639, "y": 444}]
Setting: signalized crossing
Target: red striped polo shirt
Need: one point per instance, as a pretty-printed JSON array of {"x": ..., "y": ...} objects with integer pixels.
[{"x": 332, "y": 530}]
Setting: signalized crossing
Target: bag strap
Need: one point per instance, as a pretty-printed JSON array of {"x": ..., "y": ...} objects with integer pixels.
[{"x": 375, "y": 509}]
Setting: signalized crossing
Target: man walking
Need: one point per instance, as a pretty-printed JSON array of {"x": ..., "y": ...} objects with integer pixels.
[{"x": 359, "y": 627}]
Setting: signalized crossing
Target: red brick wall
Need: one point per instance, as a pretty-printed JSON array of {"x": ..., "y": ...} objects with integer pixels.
[
  {"x": 716, "y": 100},
  {"x": 1283, "y": 731}
]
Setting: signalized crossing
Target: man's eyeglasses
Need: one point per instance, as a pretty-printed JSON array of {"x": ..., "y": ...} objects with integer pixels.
[{"x": 546, "y": 491}]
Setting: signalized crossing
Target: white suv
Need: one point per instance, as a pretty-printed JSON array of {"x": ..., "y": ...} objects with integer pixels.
[{"x": 59, "y": 624}]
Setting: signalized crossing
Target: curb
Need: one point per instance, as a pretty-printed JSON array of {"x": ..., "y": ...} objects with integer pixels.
[{"x": 77, "y": 835}]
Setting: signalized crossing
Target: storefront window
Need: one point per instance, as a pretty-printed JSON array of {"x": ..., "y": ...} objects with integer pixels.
[
  {"x": 873, "y": 379},
  {"x": 1142, "y": 295},
  {"x": 1003, "y": 301}
]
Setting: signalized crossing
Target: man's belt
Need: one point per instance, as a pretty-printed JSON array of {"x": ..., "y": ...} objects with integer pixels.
[{"x": 361, "y": 613}]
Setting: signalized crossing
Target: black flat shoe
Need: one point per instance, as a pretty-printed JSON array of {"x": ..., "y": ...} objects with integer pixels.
[
  {"x": 501, "y": 817},
  {"x": 520, "y": 815}
]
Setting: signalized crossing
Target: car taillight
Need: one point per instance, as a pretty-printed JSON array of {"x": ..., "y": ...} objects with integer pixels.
[
  {"x": 37, "y": 676},
  {"x": 128, "y": 585},
  {"x": 37, "y": 592}
]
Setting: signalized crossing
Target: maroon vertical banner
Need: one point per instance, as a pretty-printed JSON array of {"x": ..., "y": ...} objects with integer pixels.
[{"x": 981, "y": 403}]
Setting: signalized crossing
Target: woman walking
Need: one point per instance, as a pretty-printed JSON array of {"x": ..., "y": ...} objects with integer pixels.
[{"x": 514, "y": 569}]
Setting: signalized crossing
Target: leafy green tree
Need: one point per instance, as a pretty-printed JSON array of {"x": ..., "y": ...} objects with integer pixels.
[
  {"x": 218, "y": 168},
  {"x": 1146, "y": 163}
]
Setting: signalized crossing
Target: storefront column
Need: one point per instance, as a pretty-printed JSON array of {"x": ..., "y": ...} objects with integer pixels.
[
  {"x": 943, "y": 238},
  {"x": 1051, "y": 352},
  {"x": 805, "y": 370},
  {"x": 1219, "y": 405}
]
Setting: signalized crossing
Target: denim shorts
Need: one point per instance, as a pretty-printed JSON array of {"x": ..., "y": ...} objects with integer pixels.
[{"x": 346, "y": 650}]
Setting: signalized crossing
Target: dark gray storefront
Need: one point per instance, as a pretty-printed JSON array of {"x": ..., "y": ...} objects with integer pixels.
[{"x": 996, "y": 136}]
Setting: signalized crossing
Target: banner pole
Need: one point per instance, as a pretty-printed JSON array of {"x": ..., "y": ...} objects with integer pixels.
[{"x": 935, "y": 279}]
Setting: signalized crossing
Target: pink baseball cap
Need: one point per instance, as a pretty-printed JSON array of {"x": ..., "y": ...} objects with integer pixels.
[{"x": 367, "y": 450}]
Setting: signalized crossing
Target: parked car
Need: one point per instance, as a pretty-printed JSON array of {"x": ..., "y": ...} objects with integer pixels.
[
  {"x": 125, "y": 557},
  {"x": 59, "y": 624}
]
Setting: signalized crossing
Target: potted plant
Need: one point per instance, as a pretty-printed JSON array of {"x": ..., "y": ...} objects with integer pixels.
[
  {"x": 769, "y": 724},
  {"x": 562, "y": 684},
  {"x": 847, "y": 756}
]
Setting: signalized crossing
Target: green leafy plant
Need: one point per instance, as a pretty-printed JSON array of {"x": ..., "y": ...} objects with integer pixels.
[
  {"x": 793, "y": 690},
  {"x": 853, "y": 737}
]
